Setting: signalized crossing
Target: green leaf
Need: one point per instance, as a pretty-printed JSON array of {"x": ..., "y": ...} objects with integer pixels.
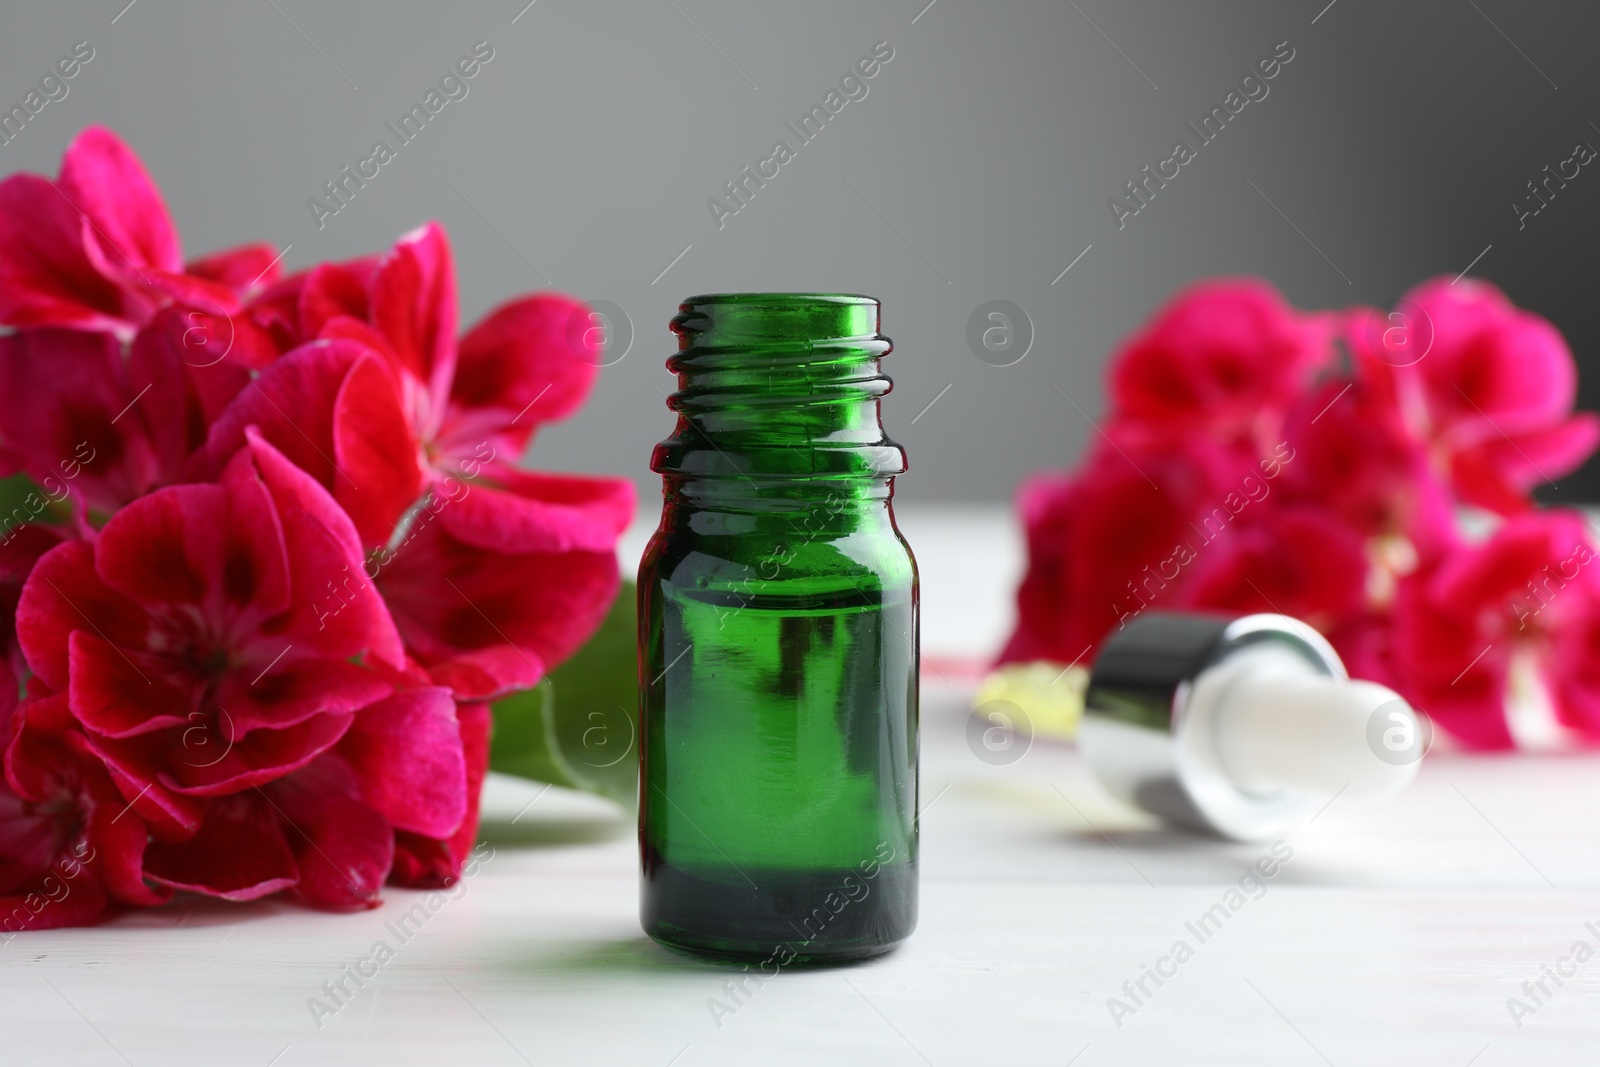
[
  {"x": 580, "y": 726},
  {"x": 13, "y": 492},
  {"x": 22, "y": 502}
]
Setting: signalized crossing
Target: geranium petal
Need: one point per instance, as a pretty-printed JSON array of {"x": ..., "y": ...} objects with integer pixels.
[
  {"x": 46, "y": 277},
  {"x": 1300, "y": 560},
  {"x": 105, "y": 180},
  {"x": 117, "y": 836},
  {"x": 166, "y": 548},
  {"x": 1499, "y": 473},
  {"x": 511, "y": 510},
  {"x": 182, "y": 358},
  {"x": 1225, "y": 357},
  {"x": 121, "y": 692},
  {"x": 335, "y": 289},
  {"x": 414, "y": 306},
  {"x": 170, "y": 815},
  {"x": 486, "y": 622},
  {"x": 247, "y": 268},
  {"x": 427, "y": 863},
  {"x": 239, "y": 853},
  {"x": 324, "y": 546},
  {"x": 61, "y": 395},
  {"x": 292, "y": 404},
  {"x": 406, "y": 752},
  {"x": 63, "y": 594},
  {"x": 34, "y": 751},
  {"x": 32, "y": 907},
  {"x": 287, "y": 692},
  {"x": 536, "y": 357},
  {"x": 1092, "y": 533},
  {"x": 196, "y": 769},
  {"x": 344, "y": 847},
  {"x": 374, "y": 443},
  {"x": 1497, "y": 571}
]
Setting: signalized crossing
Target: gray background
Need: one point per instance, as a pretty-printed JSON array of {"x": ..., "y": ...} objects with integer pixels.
[{"x": 981, "y": 161}]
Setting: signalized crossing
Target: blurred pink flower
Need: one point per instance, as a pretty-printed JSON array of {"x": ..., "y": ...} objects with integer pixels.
[
  {"x": 1245, "y": 471},
  {"x": 1461, "y": 624},
  {"x": 1486, "y": 386},
  {"x": 1109, "y": 541},
  {"x": 1224, "y": 359}
]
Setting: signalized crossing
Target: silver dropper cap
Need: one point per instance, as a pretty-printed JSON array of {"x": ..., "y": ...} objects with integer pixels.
[{"x": 1151, "y": 713}]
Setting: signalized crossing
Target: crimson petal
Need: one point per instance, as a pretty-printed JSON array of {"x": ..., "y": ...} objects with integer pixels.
[
  {"x": 62, "y": 397},
  {"x": 486, "y": 622},
  {"x": 374, "y": 442},
  {"x": 243, "y": 268},
  {"x": 304, "y": 382},
  {"x": 64, "y": 594},
  {"x": 427, "y": 863},
  {"x": 535, "y": 357},
  {"x": 105, "y": 180},
  {"x": 46, "y": 277},
  {"x": 239, "y": 853},
  {"x": 120, "y": 692},
  {"x": 246, "y": 760},
  {"x": 344, "y": 847},
  {"x": 117, "y": 835},
  {"x": 290, "y": 692},
  {"x": 323, "y": 545},
  {"x": 406, "y": 752},
  {"x": 414, "y": 306},
  {"x": 511, "y": 510}
]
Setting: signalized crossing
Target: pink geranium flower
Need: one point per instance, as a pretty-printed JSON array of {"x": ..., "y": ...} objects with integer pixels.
[
  {"x": 1224, "y": 359},
  {"x": 493, "y": 573},
  {"x": 68, "y": 843},
  {"x": 1456, "y": 397},
  {"x": 1529, "y": 594},
  {"x": 89, "y": 263},
  {"x": 96, "y": 249},
  {"x": 278, "y": 559},
  {"x": 102, "y": 422},
  {"x": 191, "y": 609},
  {"x": 1299, "y": 560},
  {"x": 1486, "y": 386},
  {"x": 1118, "y": 537},
  {"x": 328, "y": 831},
  {"x": 1354, "y": 453}
]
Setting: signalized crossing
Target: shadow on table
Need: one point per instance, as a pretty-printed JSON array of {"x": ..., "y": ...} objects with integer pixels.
[
  {"x": 1162, "y": 839},
  {"x": 636, "y": 955},
  {"x": 196, "y": 912},
  {"x": 1180, "y": 856},
  {"x": 535, "y": 833}
]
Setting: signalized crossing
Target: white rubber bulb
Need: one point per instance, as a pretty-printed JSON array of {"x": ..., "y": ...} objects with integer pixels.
[{"x": 1316, "y": 735}]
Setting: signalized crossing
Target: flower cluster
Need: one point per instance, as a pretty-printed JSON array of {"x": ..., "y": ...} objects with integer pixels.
[
  {"x": 1330, "y": 466},
  {"x": 279, "y": 557}
]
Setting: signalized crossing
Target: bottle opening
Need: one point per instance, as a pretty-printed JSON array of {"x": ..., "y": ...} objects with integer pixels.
[
  {"x": 782, "y": 385},
  {"x": 715, "y": 320}
]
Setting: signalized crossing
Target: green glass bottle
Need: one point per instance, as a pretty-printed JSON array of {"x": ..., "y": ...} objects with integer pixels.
[{"x": 778, "y": 630}]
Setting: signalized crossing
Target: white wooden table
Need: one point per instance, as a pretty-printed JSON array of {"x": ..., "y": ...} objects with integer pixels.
[{"x": 1391, "y": 936}]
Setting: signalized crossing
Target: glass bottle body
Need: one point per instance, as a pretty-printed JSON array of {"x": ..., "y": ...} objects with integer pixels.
[{"x": 778, "y": 655}]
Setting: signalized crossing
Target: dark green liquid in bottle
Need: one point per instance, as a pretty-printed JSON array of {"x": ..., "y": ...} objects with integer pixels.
[{"x": 778, "y": 643}]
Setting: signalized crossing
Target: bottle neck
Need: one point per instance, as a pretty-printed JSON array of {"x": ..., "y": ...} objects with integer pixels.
[
  {"x": 802, "y": 508},
  {"x": 778, "y": 404}
]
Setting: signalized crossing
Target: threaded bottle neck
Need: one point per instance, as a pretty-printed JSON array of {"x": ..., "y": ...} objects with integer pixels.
[{"x": 775, "y": 387}]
